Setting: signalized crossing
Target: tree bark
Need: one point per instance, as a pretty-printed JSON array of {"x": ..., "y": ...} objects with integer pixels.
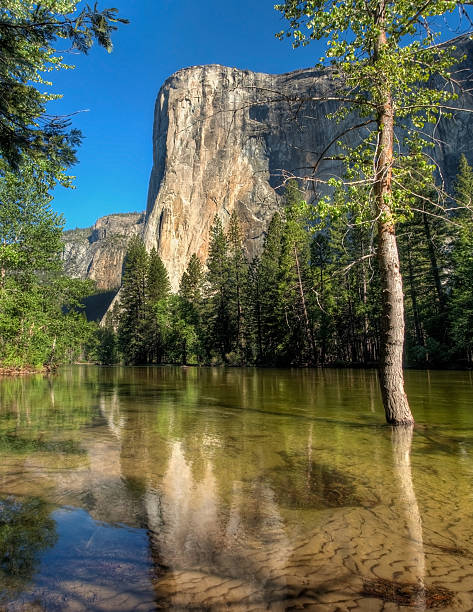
[
  {"x": 433, "y": 263},
  {"x": 395, "y": 401},
  {"x": 308, "y": 327}
]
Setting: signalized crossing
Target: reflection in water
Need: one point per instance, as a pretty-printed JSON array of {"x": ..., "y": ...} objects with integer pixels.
[
  {"x": 409, "y": 508},
  {"x": 26, "y": 529},
  {"x": 208, "y": 488}
]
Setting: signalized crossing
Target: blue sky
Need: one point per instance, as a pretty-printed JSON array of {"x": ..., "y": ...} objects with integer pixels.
[{"x": 118, "y": 90}]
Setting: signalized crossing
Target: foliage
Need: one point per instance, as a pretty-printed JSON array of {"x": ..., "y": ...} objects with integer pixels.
[
  {"x": 40, "y": 317},
  {"x": 312, "y": 296},
  {"x": 28, "y": 32}
]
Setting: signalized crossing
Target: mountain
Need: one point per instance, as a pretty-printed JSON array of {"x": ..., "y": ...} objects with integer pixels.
[
  {"x": 98, "y": 252},
  {"x": 226, "y": 139}
]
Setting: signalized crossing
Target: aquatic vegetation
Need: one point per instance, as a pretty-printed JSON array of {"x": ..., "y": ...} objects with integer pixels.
[{"x": 408, "y": 593}]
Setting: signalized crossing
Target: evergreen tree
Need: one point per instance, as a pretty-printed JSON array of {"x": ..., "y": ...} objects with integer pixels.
[
  {"x": 158, "y": 286},
  {"x": 132, "y": 325},
  {"x": 191, "y": 285},
  {"x": 219, "y": 336},
  {"x": 237, "y": 284},
  {"x": 190, "y": 310},
  {"x": 461, "y": 264},
  {"x": 269, "y": 312},
  {"x": 464, "y": 185},
  {"x": 295, "y": 281},
  {"x": 157, "y": 292}
]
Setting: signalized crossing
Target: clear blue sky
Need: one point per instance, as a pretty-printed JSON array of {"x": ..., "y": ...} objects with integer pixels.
[{"x": 119, "y": 90}]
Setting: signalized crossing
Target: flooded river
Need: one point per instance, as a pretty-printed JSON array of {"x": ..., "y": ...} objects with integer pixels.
[{"x": 244, "y": 489}]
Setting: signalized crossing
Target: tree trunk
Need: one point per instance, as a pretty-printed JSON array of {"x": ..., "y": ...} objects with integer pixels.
[
  {"x": 307, "y": 324},
  {"x": 412, "y": 289},
  {"x": 395, "y": 401},
  {"x": 433, "y": 263}
]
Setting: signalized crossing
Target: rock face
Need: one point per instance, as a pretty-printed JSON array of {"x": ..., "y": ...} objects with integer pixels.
[
  {"x": 226, "y": 139},
  {"x": 221, "y": 139},
  {"x": 98, "y": 252}
]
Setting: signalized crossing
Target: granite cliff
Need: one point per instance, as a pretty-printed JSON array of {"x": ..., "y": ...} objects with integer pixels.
[
  {"x": 224, "y": 140},
  {"x": 98, "y": 252},
  {"x": 221, "y": 139}
]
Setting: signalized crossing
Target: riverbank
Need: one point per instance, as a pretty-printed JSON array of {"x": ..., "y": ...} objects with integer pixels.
[{"x": 24, "y": 370}]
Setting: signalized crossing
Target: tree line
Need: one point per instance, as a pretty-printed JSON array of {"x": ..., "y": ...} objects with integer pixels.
[
  {"x": 311, "y": 298},
  {"x": 41, "y": 323}
]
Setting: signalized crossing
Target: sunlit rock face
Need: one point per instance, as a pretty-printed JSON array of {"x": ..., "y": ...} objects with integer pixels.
[
  {"x": 98, "y": 252},
  {"x": 222, "y": 137}
]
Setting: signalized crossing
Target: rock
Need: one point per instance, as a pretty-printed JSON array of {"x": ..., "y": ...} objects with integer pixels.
[
  {"x": 98, "y": 252},
  {"x": 224, "y": 140},
  {"x": 221, "y": 138}
]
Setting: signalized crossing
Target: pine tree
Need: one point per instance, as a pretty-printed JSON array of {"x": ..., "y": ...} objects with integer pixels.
[
  {"x": 158, "y": 286},
  {"x": 132, "y": 325},
  {"x": 220, "y": 334},
  {"x": 295, "y": 281},
  {"x": 191, "y": 285},
  {"x": 237, "y": 284},
  {"x": 158, "y": 289},
  {"x": 191, "y": 310},
  {"x": 461, "y": 251}
]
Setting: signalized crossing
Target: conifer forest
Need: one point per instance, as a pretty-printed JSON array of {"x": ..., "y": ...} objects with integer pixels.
[{"x": 310, "y": 299}]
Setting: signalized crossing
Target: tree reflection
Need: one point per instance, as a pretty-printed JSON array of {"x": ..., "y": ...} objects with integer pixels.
[
  {"x": 26, "y": 529},
  {"x": 408, "y": 589},
  {"x": 409, "y": 508}
]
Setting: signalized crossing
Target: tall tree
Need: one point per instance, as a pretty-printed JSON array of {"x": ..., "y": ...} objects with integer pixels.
[
  {"x": 157, "y": 291},
  {"x": 461, "y": 253},
  {"x": 132, "y": 325},
  {"x": 295, "y": 279},
  {"x": 219, "y": 322},
  {"x": 191, "y": 309},
  {"x": 237, "y": 282},
  {"x": 40, "y": 322},
  {"x": 270, "y": 315},
  {"x": 382, "y": 58}
]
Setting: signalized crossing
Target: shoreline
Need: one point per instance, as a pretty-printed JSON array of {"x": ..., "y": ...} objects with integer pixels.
[{"x": 23, "y": 371}]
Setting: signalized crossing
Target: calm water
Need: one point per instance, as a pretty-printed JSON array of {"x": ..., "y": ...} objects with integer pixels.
[{"x": 213, "y": 489}]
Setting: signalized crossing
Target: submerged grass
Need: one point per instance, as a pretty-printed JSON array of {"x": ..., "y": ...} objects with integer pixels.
[{"x": 409, "y": 594}]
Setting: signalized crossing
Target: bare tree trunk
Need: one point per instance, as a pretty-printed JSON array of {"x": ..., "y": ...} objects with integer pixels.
[
  {"x": 412, "y": 290},
  {"x": 304, "y": 310},
  {"x": 433, "y": 263},
  {"x": 395, "y": 401}
]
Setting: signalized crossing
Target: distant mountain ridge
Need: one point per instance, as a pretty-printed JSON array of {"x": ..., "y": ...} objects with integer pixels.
[{"x": 98, "y": 252}]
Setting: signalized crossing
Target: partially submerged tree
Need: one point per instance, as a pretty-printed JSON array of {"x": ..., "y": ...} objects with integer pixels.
[{"x": 383, "y": 60}]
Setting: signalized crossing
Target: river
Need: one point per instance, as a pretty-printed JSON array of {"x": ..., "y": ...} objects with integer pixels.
[{"x": 243, "y": 489}]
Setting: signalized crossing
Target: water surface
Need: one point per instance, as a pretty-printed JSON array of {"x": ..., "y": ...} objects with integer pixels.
[{"x": 242, "y": 489}]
